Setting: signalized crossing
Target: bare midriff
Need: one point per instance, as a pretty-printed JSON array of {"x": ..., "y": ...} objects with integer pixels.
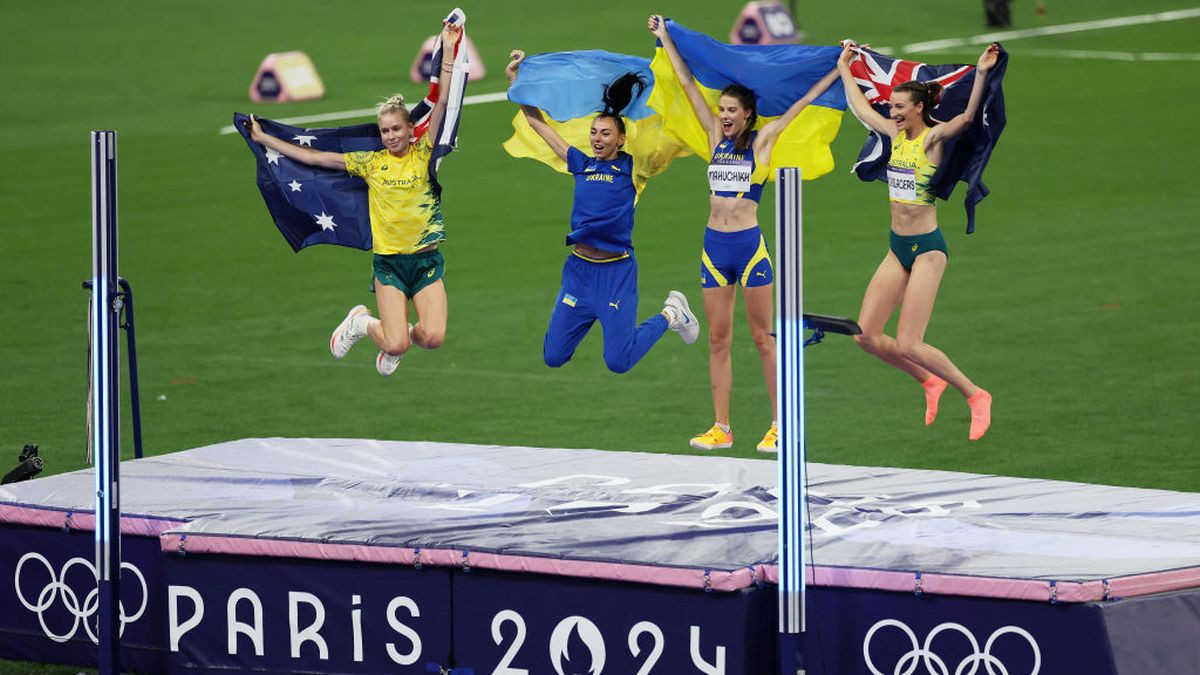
[
  {"x": 595, "y": 253},
  {"x": 912, "y": 219},
  {"x": 732, "y": 214}
]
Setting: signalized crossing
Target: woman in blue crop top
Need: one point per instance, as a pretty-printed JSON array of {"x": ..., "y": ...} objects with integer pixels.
[
  {"x": 911, "y": 271},
  {"x": 735, "y": 252},
  {"x": 599, "y": 277}
]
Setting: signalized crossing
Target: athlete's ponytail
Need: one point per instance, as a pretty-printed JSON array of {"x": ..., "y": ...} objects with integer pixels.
[
  {"x": 619, "y": 94},
  {"x": 746, "y": 98},
  {"x": 927, "y": 93}
]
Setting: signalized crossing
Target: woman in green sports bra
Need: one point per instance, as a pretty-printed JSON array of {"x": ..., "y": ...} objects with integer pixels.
[{"x": 911, "y": 271}]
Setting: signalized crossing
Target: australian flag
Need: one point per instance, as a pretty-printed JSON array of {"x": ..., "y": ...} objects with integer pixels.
[
  {"x": 965, "y": 155},
  {"x": 312, "y": 205}
]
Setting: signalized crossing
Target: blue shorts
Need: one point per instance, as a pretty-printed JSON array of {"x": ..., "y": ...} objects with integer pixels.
[{"x": 735, "y": 258}]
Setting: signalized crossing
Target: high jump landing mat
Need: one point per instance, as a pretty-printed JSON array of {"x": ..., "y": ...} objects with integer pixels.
[{"x": 359, "y": 556}]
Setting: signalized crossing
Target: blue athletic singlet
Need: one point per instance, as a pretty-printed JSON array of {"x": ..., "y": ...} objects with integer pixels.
[
  {"x": 736, "y": 174},
  {"x": 602, "y": 212}
]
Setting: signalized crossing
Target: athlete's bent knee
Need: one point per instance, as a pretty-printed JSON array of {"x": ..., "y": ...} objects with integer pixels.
[
  {"x": 395, "y": 345},
  {"x": 909, "y": 350},
  {"x": 554, "y": 359},
  {"x": 618, "y": 366},
  {"x": 868, "y": 343},
  {"x": 432, "y": 340}
]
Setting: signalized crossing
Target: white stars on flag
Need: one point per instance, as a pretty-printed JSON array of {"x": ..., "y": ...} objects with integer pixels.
[
  {"x": 295, "y": 186},
  {"x": 325, "y": 221},
  {"x": 304, "y": 140},
  {"x": 273, "y": 157}
]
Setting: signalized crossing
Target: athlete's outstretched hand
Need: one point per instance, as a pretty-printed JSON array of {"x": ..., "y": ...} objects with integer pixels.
[
  {"x": 450, "y": 33},
  {"x": 251, "y": 124},
  {"x": 510, "y": 70},
  {"x": 657, "y": 25},
  {"x": 848, "y": 53},
  {"x": 988, "y": 58}
]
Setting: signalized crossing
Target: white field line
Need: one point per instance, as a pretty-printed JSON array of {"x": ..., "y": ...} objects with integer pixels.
[
  {"x": 369, "y": 112},
  {"x": 1116, "y": 22},
  {"x": 1091, "y": 54}
]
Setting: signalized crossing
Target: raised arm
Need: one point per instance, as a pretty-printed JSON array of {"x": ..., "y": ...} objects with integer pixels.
[
  {"x": 533, "y": 115},
  {"x": 854, "y": 96},
  {"x": 658, "y": 26},
  {"x": 313, "y": 157},
  {"x": 960, "y": 122},
  {"x": 770, "y": 131},
  {"x": 450, "y": 37}
]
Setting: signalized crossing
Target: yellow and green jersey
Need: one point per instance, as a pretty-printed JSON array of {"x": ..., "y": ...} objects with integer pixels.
[
  {"x": 909, "y": 171},
  {"x": 406, "y": 215}
]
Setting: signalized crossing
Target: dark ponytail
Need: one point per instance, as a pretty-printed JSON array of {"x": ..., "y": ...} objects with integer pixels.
[
  {"x": 619, "y": 94},
  {"x": 927, "y": 93},
  {"x": 746, "y": 98}
]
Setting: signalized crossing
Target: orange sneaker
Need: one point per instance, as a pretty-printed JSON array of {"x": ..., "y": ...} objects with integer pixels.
[
  {"x": 981, "y": 414},
  {"x": 934, "y": 387}
]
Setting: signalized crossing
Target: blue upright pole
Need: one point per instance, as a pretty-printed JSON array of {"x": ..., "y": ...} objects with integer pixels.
[
  {"x": 789, "y": 374},
  {"x": 106, "y": 312}
]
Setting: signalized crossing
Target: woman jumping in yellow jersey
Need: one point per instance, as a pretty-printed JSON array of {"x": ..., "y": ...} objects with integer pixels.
[
  {"x": 912, "y": 270},
  {"x": 735, "y": 252},
  {"x": 406, "y": 226}
]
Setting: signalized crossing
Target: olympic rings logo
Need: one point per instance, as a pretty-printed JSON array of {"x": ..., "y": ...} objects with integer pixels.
[
  {"x": 935, "y": 665},
  {"x": 81, "y": 612}
]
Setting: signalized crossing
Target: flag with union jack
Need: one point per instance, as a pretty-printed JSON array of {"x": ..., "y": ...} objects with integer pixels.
[
  {"x": 965, "y": 155},
  {"x": 311, "y": 205}
]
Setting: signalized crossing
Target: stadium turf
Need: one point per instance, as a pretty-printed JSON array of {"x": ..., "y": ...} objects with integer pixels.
[{"x": 1073, "y": 303}]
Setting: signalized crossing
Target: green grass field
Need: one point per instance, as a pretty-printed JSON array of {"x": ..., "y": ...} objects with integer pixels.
[{"x": 1073, "y": 303}]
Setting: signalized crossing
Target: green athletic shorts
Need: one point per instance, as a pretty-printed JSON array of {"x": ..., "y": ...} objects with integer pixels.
[
  {"x": 908, "y": 248},
  {"x": 410, "y": 272}
]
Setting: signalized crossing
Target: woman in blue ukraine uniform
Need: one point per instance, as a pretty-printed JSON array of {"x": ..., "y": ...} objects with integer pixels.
[
  {"x": 735, "y": 251},
  {"x": 599, "y": 278},
  {"x": 406, "y": 227},
  {"x": 911, "y": 271}
]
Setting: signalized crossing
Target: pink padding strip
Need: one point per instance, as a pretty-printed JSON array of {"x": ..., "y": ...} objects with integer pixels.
[
  {"x": 82, "y": 521},
  {"x": 1159, "y": 582},
  {"x": 1035, "y": 590},
  {"x": 645, "y": 574}
]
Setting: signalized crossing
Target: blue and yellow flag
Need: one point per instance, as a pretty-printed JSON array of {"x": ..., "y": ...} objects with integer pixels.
[
  {"x": 568, "y": 88},
  {"x": 779, "y": 75}
]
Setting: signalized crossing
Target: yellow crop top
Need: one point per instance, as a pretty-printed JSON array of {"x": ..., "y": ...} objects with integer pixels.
[{"x": 909, "y": 171}]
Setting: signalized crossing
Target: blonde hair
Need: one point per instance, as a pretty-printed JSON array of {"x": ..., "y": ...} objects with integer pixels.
[{"x": 393, "y": 104}]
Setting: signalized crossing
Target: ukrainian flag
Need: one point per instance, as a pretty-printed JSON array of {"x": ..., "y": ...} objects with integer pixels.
[
  {"x": 779, "y": 75},
  {"x": 567, "y": 87}
]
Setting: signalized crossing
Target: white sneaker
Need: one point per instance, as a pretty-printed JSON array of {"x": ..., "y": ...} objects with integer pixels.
[
  {"x": 683, "y": 321},
  {"x": 344, "y": 336},
  {"x": 386, "y": 363}
]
